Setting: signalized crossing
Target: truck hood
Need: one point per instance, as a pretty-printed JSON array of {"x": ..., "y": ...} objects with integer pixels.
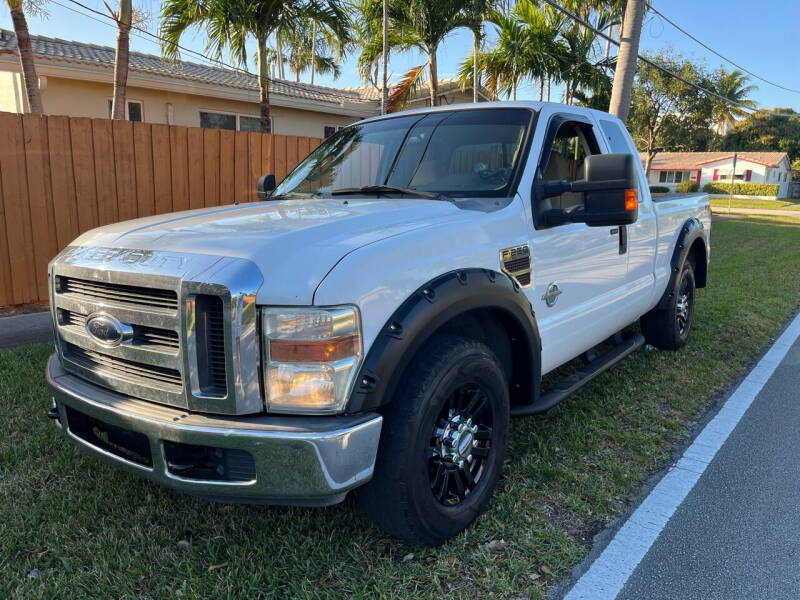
[{"x": 294, "y": 243}]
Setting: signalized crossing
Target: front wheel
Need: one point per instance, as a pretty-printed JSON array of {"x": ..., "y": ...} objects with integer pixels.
[
  {"x": 669, "y": 328},
  {"x": 443, "y": 443}
]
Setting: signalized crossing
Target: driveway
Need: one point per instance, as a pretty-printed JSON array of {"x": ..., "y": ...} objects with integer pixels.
[
  {"x": 724, "y": 522},
  {"x": 18, "y": 330}
]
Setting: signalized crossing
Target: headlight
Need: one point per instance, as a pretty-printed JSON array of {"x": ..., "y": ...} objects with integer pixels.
[{"x": 312, "y": 357}]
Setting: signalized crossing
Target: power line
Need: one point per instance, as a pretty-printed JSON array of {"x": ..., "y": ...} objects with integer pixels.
[
  {"x": 655, "y": 65},
  {"x": 710, "y": 49},
  {"x": 107, "y": 23},
  {"x": 215, "y": 61}
]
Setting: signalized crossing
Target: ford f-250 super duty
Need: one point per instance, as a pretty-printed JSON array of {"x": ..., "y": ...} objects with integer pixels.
[{"x": 379, "y": 317}]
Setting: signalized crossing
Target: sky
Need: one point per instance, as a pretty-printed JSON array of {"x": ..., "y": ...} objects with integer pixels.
[{"x": 758, "y": 36}]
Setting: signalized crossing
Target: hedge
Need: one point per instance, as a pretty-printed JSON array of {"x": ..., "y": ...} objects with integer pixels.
[
  {"x": 743, "y": 189},
  {"x": 687, "y": 186},
  {"x": 658, "y": 189}
]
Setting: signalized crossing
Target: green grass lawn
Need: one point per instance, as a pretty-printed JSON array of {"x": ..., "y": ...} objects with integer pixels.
[
  {"x": 73, "y": 527},
  {"x": 720, "y": 204}
]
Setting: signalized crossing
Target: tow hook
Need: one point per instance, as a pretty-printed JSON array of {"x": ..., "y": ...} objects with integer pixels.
[{"x": 53, "y": 412}]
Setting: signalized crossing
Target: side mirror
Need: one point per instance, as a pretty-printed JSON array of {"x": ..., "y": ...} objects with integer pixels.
[
  {"x": 265, "y": 186},
  {"x": 609, "y": 190}
]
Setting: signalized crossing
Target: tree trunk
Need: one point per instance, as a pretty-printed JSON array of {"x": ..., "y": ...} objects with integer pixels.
[
  {"x": 433, "y": 84},
  {"x": 651, "y": 154},
  {"x": 124, "y": 20},
  {"x": 476, "y": 81},
  {"x": 279, "y": 51},
  {"x": 263, "y": 84},
  {"x": 626, "y": 60},
  {"x": 26, "y": 60},
  {"x": 541, "y": 89},
  {"x": 385, "y": 59},
  {"x": 548, "y": 88}
]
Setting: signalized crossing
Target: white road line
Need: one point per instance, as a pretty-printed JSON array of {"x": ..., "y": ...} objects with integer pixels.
[{"x": 611, "y": 570}]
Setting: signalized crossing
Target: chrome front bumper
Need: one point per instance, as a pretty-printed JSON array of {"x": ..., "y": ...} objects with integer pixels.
[{"x": 296, "y": 460}]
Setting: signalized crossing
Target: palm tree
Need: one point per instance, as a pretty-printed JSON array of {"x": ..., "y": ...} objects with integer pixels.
[
  {"x": 230, "y": 23},
  {"x": 313, "y": 46},
  {"x": 29, "y": 78},
  {"x": 627, "y": 57},
  {"x": 735, "y": 86},
  {"x": 124, "y": 19},
  {"x": 506, "y": 65},
  {"x": 419, "y": 25},
  {"x": 527, "y": 47},
  {"x": 477, "y": 12},
  {"x": 580, "y": 70}
]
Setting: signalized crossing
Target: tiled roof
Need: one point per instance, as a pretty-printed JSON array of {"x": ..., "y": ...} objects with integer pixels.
[
  {"x": 445, "y": 85},
  {"x": 103, "y": 56},
  {"x": 676, "y": 161}
]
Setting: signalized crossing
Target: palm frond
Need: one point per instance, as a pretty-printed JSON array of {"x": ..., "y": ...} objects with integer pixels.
[{"x": 410, "y": 82}]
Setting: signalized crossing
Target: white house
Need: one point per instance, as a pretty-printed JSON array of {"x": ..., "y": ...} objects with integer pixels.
[{"x": 670, "y": 168}]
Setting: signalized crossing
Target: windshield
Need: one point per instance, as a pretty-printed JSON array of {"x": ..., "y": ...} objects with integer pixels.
[{"x": 464, "y": 153}]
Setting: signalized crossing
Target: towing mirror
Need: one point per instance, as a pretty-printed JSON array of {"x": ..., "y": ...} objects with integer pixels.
[
  {"x": 609, "y": 191},
  {"x": 265, "y": 186}
]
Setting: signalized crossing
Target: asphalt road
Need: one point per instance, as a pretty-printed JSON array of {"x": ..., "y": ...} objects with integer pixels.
[
  {"x": 737, "y": 533},
  {"x": 25, "y": 329}
]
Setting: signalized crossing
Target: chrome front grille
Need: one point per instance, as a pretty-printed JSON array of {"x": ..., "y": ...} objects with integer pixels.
[
  {"x": 148, "y": 337},
  {"x": 188, "y": 326},
  {"x": 126, "y": 370},
  {"x": 118, "y": 294}
]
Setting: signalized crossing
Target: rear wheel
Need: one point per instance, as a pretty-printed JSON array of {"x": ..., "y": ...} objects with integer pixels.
[
  {"x": 443, "y": 443},
  {"x": 669, "y": 328}
]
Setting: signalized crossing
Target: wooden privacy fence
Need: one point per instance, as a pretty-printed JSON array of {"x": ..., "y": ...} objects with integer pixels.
[{"x": 61, "y": 176}]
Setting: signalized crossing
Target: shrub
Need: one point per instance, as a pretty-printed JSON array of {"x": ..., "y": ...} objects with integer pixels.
[
  {"x": 688, "y": 186},
  {"x": 658, "y": 189},
  {"x": 743, "y": 189}
]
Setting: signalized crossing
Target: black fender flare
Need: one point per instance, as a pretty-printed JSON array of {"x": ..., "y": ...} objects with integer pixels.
[
  {"x": 691, "y": 230},
  {"x": 425, "y": 311}
]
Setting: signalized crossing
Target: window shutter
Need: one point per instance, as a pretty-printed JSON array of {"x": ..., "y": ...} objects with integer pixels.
[
  {"x": 716, "y": 174},
  {"x": 748, "y": 174},
  {"x": 699, "y": 174}
]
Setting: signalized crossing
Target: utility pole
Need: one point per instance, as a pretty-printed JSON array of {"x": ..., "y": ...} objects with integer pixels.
[
  {"x": 384, "y": 89},
  {"x": 626, "y": 60},
  {"x": 733, "y": 180},
  {"x": 313, "y": 48}
]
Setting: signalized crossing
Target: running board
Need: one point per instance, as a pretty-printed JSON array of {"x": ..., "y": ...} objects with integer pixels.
[{"x": 572, "y": 383}]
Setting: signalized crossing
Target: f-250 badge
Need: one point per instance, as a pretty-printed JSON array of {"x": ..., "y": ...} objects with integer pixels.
[{"x": 552, "y": 294}]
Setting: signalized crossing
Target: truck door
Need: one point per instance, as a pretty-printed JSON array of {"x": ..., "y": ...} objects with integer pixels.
[
  {"x": 642, "y": 236},
  {"x": 579, "y": 272}
]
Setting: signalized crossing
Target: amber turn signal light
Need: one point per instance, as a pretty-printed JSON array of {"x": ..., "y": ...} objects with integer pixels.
[
  {"x": 318, "y": 351},
  {"x": 631, "y": 199}
]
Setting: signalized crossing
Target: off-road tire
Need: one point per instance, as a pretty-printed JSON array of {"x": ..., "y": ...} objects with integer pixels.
[
  {"x": 662, "y": 327},
  {"x": 401, "y": 497}
]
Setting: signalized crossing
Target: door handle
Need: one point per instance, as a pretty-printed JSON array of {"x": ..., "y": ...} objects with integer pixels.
[{"x": 615, "y": 231}]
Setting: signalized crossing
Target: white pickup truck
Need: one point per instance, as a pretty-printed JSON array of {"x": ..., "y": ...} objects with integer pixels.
[{"x": 376, "y": 320}]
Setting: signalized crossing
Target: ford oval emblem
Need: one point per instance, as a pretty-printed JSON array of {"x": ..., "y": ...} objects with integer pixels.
[{"x": 107, "y": 330}]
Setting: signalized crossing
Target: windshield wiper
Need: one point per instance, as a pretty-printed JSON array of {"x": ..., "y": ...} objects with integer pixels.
[{"x": 387, "y": 189}]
